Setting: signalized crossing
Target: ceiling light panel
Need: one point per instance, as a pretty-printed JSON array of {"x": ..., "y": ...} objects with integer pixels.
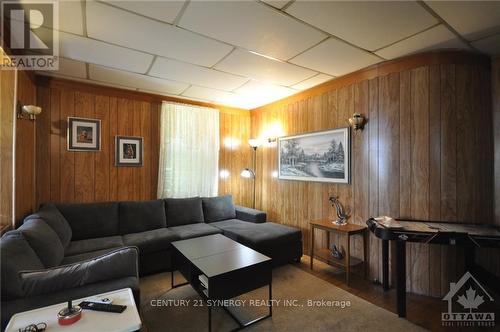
[
  {"x": 489, "y": 45},
  {"x": 250, "y": 25},
  {"x": 216, "y": 96},
  {"x": 185, "y": 72},
  {"x": 263, "y": 69},
  {"x": 335, "y": 58},
  {"x": 313, "y": 81},
  {"x": 138, "y": 81},
  {"x": 93, "y": 51},
  {"x": 165, "y": 11},
  {"x": 126, "y": 29},
  {"x": 472, "y": 19},
  {"x": 261, "y": 93},
  {"x": 369, "y": 25},
  {"x": 436, "y": 38}
]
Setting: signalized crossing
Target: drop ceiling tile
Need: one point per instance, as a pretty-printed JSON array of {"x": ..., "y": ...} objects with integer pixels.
[
  {"x": 185, "y": 72},
  {"x": 93, "y": 51},
  {"x": 263, "y": 69},
  {"x": 72, "y": 68},
  {"x": 279, "y": 4},
  {"x": 165, "y": 11},
  {"x": 489, "y": 45},
  {"x": 472, "y": 19},
  {"x": 261, "y": 93},
  {"x": 137, "y": 81},
  {"x": 313, "y": 81},
  {"x": 369, "y": 25},
  {"x": 126, "y": 29},
  {"x": 335, "y": 58},
  {"x": 436, "y": 38},
  {"x": 250, "y": 25},
  {"x": 215, "y": 96}
]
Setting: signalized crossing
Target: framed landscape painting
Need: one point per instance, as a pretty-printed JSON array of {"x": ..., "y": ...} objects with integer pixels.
[
  {"x": 320, "y": 156},
  {"x": 128, "y": 151},
  {"x": 84, "y": 134}
]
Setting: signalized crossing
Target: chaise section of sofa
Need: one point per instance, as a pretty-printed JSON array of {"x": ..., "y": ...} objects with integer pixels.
[{"x": 33, "y": 273}]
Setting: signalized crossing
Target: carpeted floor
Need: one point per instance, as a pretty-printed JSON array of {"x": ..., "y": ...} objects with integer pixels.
[{"x": 293, "y": 289}]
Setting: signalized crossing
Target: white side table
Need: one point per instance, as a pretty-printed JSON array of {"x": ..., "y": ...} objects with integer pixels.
[{"x": 127, "y": 321}]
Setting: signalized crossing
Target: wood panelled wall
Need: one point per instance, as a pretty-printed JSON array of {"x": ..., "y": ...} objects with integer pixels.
[
  {"x": 495, "y": 81},
  {"x": 425, "y": 153},
  {"x": 25, "y": 194},
  {"x": 64, "y": 176},
  {"x": 7, "y": 102}
]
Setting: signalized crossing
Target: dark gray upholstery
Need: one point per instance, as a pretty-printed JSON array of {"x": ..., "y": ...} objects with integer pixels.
[
  {"x": 218, "y": 208},
  {"x": 183, "y": 211},
  {"x": 151, "y": 241},
  {"x": 44, "y": 241},
  {"x": 91, "y": 220},
  {"x": 84, "y": 256},
  {"x": 194, "y": 230},
  {"x": 123, "y": 262},
  {"x": 88, "y": 245},
  {"x": 250, "y": 215},
  {"x": 51, "y": 215},
  {"x": 282, "y": 243},
  {"x": 136, "y": 217},
  {"x": 15, "y": 255}
]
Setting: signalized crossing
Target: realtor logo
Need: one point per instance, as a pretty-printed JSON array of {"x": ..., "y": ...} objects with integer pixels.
[
  {"x": 30, "y": 34},
  {"x": 464, "y": 299}
]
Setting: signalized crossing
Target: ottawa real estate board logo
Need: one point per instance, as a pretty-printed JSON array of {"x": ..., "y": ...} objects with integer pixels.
[
  {"x": 30, "y": 35},
  {"x": 464, "y": 301}
]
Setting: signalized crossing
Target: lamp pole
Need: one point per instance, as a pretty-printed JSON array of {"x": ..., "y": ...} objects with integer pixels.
[{"x": 254, "y": 177}]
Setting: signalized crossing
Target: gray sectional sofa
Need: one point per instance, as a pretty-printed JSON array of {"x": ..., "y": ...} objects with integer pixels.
[{"x": 74, "y": 250}]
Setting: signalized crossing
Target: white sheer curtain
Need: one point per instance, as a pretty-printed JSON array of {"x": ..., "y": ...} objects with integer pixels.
[{"x": 189, "y": 151}]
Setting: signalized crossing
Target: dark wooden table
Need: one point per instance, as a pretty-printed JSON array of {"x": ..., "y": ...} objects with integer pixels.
[
  {"x": 324, "y": 254},
  {"x": 470, "y": 236},
  {"x": 231, "y": 269}
]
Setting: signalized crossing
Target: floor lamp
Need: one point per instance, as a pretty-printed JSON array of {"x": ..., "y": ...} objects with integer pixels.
[{"x": 250, "y": 172}]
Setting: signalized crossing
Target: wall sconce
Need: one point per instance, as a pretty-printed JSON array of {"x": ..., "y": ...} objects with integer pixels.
[
  {"x": 357, "y": 121},
  {"x": 224, "y": 174},
  {"x": 28, "y": 111}
]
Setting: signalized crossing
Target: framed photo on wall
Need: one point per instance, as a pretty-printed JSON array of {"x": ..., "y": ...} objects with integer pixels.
[
  {"x": 323, "y": 156},
  {"x": 128, "y": 151},
  {"x": 83, "y": 134}
]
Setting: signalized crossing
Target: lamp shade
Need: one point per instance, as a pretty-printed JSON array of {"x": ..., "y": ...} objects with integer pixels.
[
  {"x": 247, "y": 173},
  {"x": 254, "y": 142}
]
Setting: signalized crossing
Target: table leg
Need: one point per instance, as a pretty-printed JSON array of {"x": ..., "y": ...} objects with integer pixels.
[
  {"x": 348, "y": 259},
  {"x": 209, "y": 318},
  {"x": 401, "y": 277},
  {"x": 385, "y": 264},
  {"x": 365, "y": 253},
  {"x": 311, "y": 246}
]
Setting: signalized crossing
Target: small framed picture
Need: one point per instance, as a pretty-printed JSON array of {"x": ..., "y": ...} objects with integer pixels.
[
  {"x": 128, "y": 151},
  {"x": 84, "y": 134}
]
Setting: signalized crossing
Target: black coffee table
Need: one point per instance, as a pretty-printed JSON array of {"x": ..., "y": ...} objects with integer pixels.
[{"x": 231, "y": 269}]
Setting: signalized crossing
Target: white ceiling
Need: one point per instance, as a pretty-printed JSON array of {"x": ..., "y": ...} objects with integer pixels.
[{"x": 248, "y": 53}]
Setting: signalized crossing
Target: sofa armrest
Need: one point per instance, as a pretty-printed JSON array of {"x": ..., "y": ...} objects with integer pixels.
[
  {"x": 116, "y": 264},
  {"x": 250, "y": 215}
]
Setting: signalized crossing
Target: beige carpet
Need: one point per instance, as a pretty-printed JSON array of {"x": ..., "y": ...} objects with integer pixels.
[{"x": 289, "y": 283}]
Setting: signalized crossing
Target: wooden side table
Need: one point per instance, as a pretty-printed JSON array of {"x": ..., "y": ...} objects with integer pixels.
[{"x": 324, "y": 254}]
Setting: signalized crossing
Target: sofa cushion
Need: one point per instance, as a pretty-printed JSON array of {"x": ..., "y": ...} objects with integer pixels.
[
  {"x": 51, "y": 215},
  {"x": 151, "y": 241},
  {"x": 183, "y": 211},
  {"x": 259, "y": 235},
  {"x": 88, "y": 245},
  {"x": 15, "y": 255},
  {"x": 194, "y": 230},
  {"x": 218, "y": 208},
  {"x": 44, "y": 241},
  {"x": 91, "y": 220},
  {"x": 84, "y": 256},
  {"x": 136, "y": 217}
]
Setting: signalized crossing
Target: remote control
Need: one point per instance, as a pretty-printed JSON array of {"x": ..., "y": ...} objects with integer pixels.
[{"x": 102, "y": 307}]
